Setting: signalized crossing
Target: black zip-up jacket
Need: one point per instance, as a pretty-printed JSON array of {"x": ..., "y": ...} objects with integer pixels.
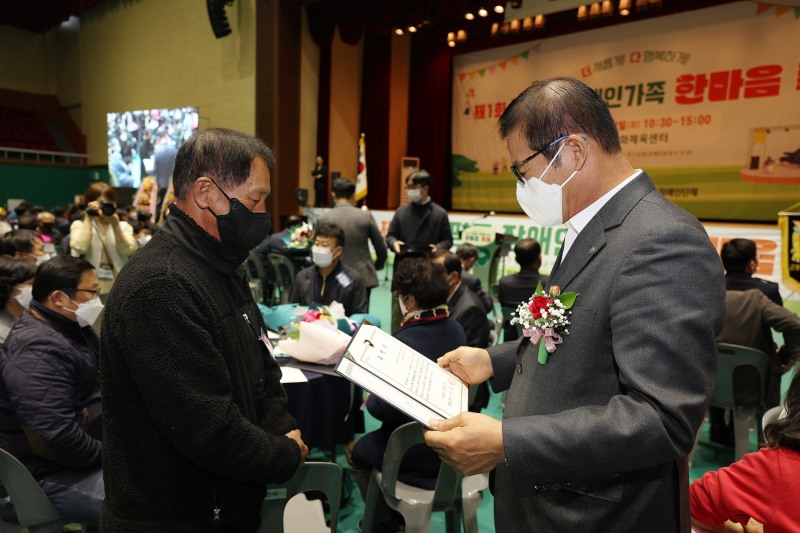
[{"x": 194, "y": 413}]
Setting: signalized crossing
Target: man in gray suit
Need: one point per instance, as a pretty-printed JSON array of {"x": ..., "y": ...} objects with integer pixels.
[
  {"x": 597, "y": 438},
  {"x": 359, "y": 230}
]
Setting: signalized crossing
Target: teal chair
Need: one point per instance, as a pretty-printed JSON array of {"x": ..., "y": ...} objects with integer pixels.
[
  {"x": 34, "y": 510},
  {"x": 369, "y": 317},
  {"x": 731, "y": 357},
  {"x": 285, "y": 275},
  {"x": 260, "y": 284},
  {"x": 325, "y": 477}
]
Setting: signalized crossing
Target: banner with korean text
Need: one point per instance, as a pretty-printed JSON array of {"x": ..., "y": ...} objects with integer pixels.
[{"x": 705, "y": 101}]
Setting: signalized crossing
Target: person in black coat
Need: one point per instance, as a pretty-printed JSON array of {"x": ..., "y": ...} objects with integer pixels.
[
  {"x": 329, "y": 280},
  {"x": 320, "y": 174},
  {"x": 196, "y": 421},
  {"x": 468, "y": 254},
  {"x": 422, "y": 292},
  {"x": 50, "y": 413},
  {"x": 517, "y": 288},
  {"x": 741, "y": 262}
]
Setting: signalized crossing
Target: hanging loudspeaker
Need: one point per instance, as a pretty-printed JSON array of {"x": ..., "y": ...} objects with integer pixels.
[{"x": 218, "y": 18}]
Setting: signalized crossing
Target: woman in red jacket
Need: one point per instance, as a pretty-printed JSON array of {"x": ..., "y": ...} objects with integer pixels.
[{"x": 764, "y": 486}]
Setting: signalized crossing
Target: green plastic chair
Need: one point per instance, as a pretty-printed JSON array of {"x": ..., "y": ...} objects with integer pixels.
[
  {"x": 280, "y": 264},
  {"x": 325, "y": 477},
  {"x": 732, "y": 356},
  {"x": 257, "y": 277},
  {"x": 34, "y": 510},
  {"x": 457, "y": 496}
]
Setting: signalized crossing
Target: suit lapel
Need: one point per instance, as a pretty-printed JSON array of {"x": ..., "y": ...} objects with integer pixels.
[{"x": 592, "y": 239}]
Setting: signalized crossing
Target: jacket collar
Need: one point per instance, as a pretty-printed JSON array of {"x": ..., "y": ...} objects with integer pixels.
[
  {"x": 66, "y": 326},
  {"x": 592, "y": 239},
  {"x": 187, "y": 234}
]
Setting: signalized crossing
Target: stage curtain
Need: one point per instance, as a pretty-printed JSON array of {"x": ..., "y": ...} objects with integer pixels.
[{"x": 375, "y": 100}]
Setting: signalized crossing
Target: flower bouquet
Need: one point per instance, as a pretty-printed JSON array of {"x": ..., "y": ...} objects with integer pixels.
[
  {"x": 300, "y": 237},
  {"x": 543, "y": 317},
  {"x": 318, "y": 336}
]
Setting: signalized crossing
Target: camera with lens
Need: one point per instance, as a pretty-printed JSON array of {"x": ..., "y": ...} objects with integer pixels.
[{"x": 107, "y": 208}]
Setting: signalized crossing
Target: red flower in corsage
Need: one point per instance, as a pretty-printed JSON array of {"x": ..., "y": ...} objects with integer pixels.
[{"x": 543, "y": 316}]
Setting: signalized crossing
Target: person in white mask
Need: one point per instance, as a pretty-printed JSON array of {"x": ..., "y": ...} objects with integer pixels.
[
  {"x": 50, "y": 411},
  {"x": 329, "y": 280},
  {"x": 16, "y": 280},
  {"x": 25, "y": 244},
  {"x": 602, "y": 413}
]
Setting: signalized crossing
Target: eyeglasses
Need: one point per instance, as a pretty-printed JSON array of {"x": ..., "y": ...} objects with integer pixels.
[
  {"x": 93, "y": 291},
  {"x": 516, "y": 166}
]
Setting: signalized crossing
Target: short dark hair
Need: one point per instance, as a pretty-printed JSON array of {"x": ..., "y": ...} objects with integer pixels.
[
  {"x": 736, "y": 254},
  {"x": 27, "y": 221},
  {"x": 329, "y": 229},
  {"x": 466, "y": 250},
  {"x": 449, "y": 260},
  {"x": 343, "y": 188},
  {"x": 420, "y": 177},
  {"x": 59, "y": 211},
  {"x": 422, "y": 279},
  {"x": 527, "y": 252},
  {"x": 293, "y": 220},
  {"x": 18, "y": 240},
  {"x": 62, "y": 273},
  {"x": 786, "y": 431},
  {"x": 98, "y": 189},
  {"x": 13, "y": 271},
  {"x": 22, "y": 207},
  {"x": 224, "y": 155},
  {"x": 554, "y": 107}
]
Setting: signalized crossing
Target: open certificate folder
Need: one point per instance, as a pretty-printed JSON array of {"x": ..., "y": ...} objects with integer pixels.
[{"x": 402, "y": 376}]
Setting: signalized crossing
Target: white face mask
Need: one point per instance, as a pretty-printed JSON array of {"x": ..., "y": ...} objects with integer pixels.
[
  {"x": 25, "y": 296},
  {"x": 40, "y": 258},
  {"x": 321, "y": 256},
  {"x": 144, "y": 239},
  {"x": 415, "y": 195},
  {"x": 403, "y": 308},
  {"x": 86, "y": 314},
  {"x": 542, "y": 201}
]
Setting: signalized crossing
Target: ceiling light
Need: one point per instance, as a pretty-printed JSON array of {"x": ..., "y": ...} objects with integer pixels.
[
  {"x": 624, "y": 7},
  {"x": 461, "y": 35},
  {"x": 608, "y": 7},
  {"x": 594, "y": 9},
  {"x": 398, "y": 31},
  {"x": 499, "y": 8},
  {"x": 495, "y": 28},
  {"x": 451, "y": 44},
  {"x": 527, "y": 23},
  {"x": 412, "y": 29},
  {"x": 469, "y": 16},
  {"x": 482, "y": 12},
  {"x": 582, "y": 13},
  {"x": 539, "y": 21}
]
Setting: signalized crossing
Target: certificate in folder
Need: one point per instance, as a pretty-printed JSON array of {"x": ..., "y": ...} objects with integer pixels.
[{"x": 402, "y": 376}]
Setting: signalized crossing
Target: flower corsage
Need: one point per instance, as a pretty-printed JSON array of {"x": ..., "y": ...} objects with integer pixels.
[{"x": 544, "y": 318}]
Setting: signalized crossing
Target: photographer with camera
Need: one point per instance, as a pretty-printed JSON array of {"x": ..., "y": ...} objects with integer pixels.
[{"x": 101, "y": 237}]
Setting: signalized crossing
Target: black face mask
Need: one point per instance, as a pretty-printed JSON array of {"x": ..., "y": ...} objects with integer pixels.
[{"x": 241, "y": 228}]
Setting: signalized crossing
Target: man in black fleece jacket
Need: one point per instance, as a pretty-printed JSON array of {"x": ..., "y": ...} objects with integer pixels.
[{"x": 195, "y": 417}]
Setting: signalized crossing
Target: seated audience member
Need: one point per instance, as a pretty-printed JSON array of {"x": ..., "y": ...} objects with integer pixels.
[
  {"x": 465, "y": 306},
  {"x": 19, "y": 210},
  {"x": 749, "y": 318},
  {"x": 329, "y": 280},
  {"x": 46, "y": 230},
  {"x": 276, "y": 244},
  {"x": 61, "y": 223},
  {"x": 27, "y": 221},
  {"x": 762, "y": 486},
  {"x": 741, "y": 261},
  {"x": 5, "y": 227},
  {"x": 25, "y": 244},
  {"x": 359, "y": 230},
  {"x": 101, "y": 237},
  {"x": 421, "y": 290},
  {"x": 467, "y": 309},
  {"x": 517, "y": 288},
  {"x": 16, "y": 280},
  {"x": 50, "y": 414},
  {"x": 468, "y": 254},
  {"x": 141, "y": 232}
]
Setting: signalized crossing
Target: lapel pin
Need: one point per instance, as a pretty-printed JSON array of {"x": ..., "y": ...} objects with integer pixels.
[{"x": 591, "y": 250}]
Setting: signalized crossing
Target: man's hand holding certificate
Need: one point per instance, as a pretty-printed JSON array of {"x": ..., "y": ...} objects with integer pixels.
[{"x": 401, "y": 376}]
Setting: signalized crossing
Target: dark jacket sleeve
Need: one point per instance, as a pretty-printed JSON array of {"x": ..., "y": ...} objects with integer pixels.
[
  {"x": 378, "y": 243},
  {"x": 476, "y": 326},
  {"x": 394, "y": 233},
  {"x": 40, "y": 386},
  {"x": 182, "y": 375},
  {"x": 445, "y": 240},
  {"x": 359, "y": 303}
]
